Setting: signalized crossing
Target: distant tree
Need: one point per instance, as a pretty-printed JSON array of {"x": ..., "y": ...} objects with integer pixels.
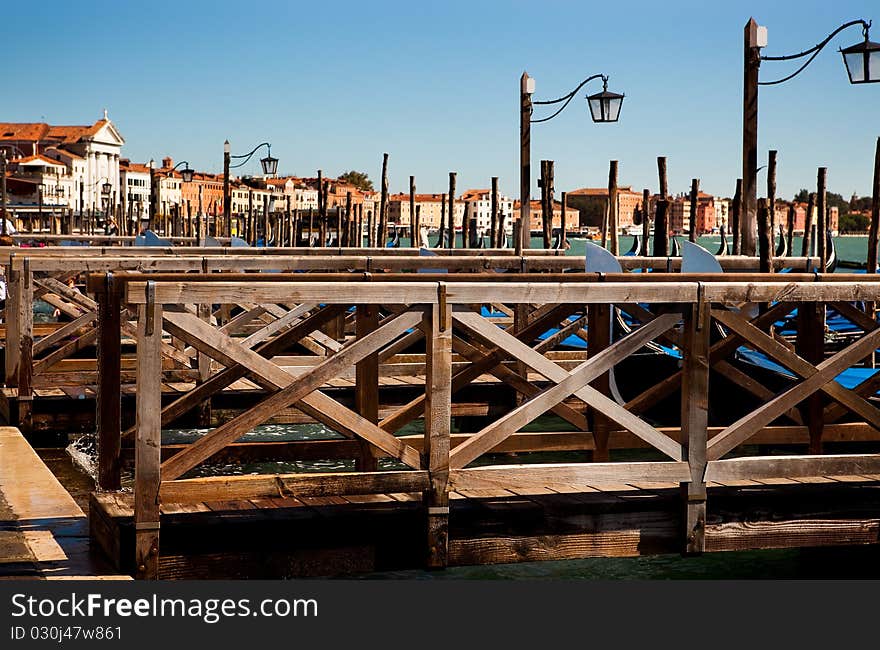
[
  {"x": 359, "y": 179},
  {"x": 853, "y": 223},
  {"x": 802, "y": 196}
]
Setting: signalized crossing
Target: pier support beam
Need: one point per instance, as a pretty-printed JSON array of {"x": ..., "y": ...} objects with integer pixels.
[
  {"x": 438, "y": 419},
  {"x": 148, "y": 440},
  {"x": 694, "y": 423},
  {"x": 204, "y": 361},
  {"x": 366, "y": 396},
  {"x": 598, "y": 339},
  {"x": 109, "y": 385},
  {"x": 811, "y": 346},
  {"x": 25, "y": 283}
]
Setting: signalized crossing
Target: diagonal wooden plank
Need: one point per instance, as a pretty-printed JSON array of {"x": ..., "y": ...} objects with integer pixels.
[
  {"x": 290, "y": 318},
  {"x": 564, "y": 332},
  {"x": 590, "y": 369},
  {"x": 66, "y": 350},
  {"x": 208, "y": 340},
  {"x": 752, "y": 385},
  {"x": 855, "y": 316},
  {"x": 719, "y": 350},
  {"x": 416, "y": 407},
  {"x": 519, "y": 383},
  {"x": 751, "y": 423},
  {"x": 63, "y": 332},
  {"x": 797, "y": 364}
]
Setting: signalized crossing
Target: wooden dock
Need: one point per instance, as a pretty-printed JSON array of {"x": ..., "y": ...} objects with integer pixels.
[
  {"x": 675, "y": 460},
  {"x": 44, "y": 534}
]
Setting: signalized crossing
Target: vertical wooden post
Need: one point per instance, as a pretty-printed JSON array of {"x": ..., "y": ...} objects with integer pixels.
[
  {"x": 109, "y": 385},
  {"x": 26, "y": 349},
  {"x": 751, "y": 63},
  {"x": 789, "y": 230},
  {"x": 875, "y": 214},
  {"x": 266, "y": 219},
  {"x": 545, "y": 183},
  {"x": 204, "y": 366},
  {"x": 441, "y": 232},
  {"x": 735, "y": 216},
  {"x": 807, "y": 245},
  {"x": 13, "y": 320},
  {"x": 771, "y": 191},
  {"x": 148, "y": 440},
  {"x": 821, "y": 221},
  {"x": 598, "y": 339},
  {"x": 438, "y": 421},
  {"x": 451, "y": 210},
  {"x": 413, "y": 230},
  {"x": 250, "y": 236},
  {"x": 526, "y": 88},
  {"x": 612, "y": 225},
  {"x": 694, "y": 422},
  {"x": 811, "y": 346},
  {"x": 564, "y": 202},
  {"x": 695, "y": 190},
  {"x": 646, "y": 221},
  {"x": 383, "y": 203},
  {"x": 765, "y": 239},
  {"x": 366, "y": 397},
  {"x": 346, "y": 241},
  {"x": 661, "y": 229},
  {"x": 661, "y": 173},
  {"x": 493, "y": 229}
]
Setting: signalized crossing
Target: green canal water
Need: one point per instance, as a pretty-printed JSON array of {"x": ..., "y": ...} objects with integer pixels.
[{"x": 74, "y": 467}]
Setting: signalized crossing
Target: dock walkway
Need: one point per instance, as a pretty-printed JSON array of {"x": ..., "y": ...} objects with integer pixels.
[{"x": 43, "y": 532}]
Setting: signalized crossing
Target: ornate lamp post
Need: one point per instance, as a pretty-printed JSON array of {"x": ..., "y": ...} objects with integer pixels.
[
  {"x": 604, "y": 107},
  {"x": 270, "y": 168},
  {"x": 862, "y": 62}
]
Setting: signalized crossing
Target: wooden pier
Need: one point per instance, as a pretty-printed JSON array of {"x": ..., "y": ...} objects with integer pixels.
[{"x": 434, "y": 399}]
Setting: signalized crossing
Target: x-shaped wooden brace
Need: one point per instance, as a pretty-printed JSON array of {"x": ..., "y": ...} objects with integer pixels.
[
  {"x": 301, "y": 390},
  {"x": 815, "y": 378},
  {"x": 567, "y": 383}
]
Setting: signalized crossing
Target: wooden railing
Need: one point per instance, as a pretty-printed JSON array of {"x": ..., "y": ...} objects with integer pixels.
[{"x": 705, "y": 322}]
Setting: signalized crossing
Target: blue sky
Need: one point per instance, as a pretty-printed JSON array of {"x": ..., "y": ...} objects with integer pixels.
[{"x": 334, "y": 85}]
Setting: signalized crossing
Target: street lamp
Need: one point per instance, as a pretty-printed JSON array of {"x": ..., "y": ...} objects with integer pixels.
[
  {"x": 269, "y": 165},
  {"x": 604, "y": 107},
  {"x": 862, "y": 62},
  {"x": 186, "y": 173}
]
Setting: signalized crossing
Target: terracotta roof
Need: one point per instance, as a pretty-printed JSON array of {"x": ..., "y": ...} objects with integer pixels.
[
  {"x": 65, "y": 152},
  {"x": 38, "y": 158},
  {"x": 27, "y": 131},
  {"x": 134, "y": 167}
]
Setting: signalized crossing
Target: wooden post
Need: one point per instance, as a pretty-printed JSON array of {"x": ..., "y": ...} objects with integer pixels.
[
  {"x": 765, "y": 240},
  {"x": 694, "y": 422},
  {"x": 771, "y": 191},
  {"x": 250, "y": 236},
  {"x": 526, "y": 87},
  {"x": 383, "y": 204},
  {"x": 663, "y": 179},
  {"x": 451, "y": 210},
  {"x": 413, "y": 230},
  {"x": 266, "y": 219},
  {"x": 821, "y": 221},
  {"x": 695, "y": 190},
  {"x": 646, "y": 221},
  {"x": 875, "y": 214},
  {"x": 564, "y": 201},
  {"x": 312, "y": 226},
  {"x": 751, "y": 63},
  {"x": 807, "y": 245},
  {"x": 441, "y": 233},
  {"x": 545, "y": 182},
  {"x": 598, "y": 339},
  {"x": 493, "y": 229},
  {"x": 811, "y": 346},
  {"x": 789, "y": 230},
  {"x": 366, "y": 397},
  {"x": 203, "y": 413},
  {"x": 13, "y": 321},
  {"x": 26, "y": 349},
  {"x": 109, "y": 385},
  {"x": 612, "y": 226},
  {"x": 348, "y": 230},
  {"x": 661, "y": 229},
  {"x": 438, "y": 421},
  {"x": 735, "y": 216},
  {"x": 148, "y": 440}
]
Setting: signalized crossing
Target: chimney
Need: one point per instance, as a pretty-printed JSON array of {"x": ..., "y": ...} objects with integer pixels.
[{"x": 167, "y": 162}]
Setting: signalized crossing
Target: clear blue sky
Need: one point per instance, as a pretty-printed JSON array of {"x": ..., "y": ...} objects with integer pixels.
[{"x": 334, "y": 85}]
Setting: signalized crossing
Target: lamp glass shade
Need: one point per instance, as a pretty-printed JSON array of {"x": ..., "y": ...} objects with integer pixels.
[
  {"x": 187, "y": 174},
  {"x": 605, "y": 106},
  {"x": 106, "y": 188},
  {"x": 270, "y": 165},
  {"x": 862, "y": 62}
]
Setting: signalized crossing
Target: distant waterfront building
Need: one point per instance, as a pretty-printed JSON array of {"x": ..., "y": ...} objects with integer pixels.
[
  {"x": 134, "y": 179},
  {"x": 90, "y": 153},
  {"x": 479, "y": 205},
  {"x": 591, "y": 204}
]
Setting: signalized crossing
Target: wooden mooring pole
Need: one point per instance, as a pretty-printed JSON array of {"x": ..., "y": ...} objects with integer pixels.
[
  {"x": 109, "y": 395},
  {"x": 695, "y": 190}
]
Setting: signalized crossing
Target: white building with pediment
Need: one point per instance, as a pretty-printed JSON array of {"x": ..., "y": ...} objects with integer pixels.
[{"x": 90, "y": 154}]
